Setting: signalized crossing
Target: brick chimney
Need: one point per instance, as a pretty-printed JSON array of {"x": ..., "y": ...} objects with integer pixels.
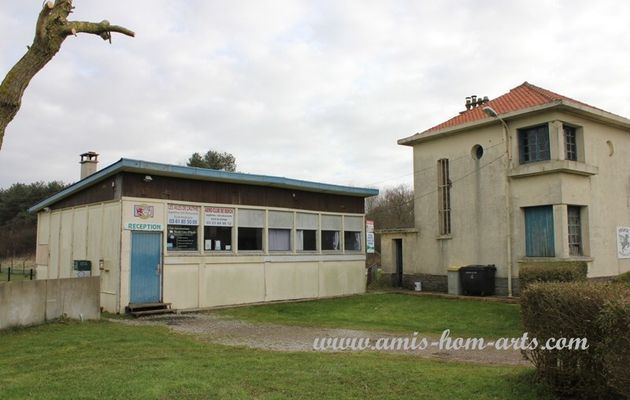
[{"x": 88, "y": 162}]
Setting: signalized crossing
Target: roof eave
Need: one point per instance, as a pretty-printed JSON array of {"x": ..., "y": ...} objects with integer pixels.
[
  {"x": 145, "y": 167},
  {"x": 590, "y": 112}
]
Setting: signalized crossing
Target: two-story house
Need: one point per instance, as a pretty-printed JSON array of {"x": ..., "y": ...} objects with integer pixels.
[{"x": 529, "y": 176}]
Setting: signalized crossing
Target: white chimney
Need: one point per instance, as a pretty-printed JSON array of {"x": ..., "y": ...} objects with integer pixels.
[{"x": 88, "y": 163}]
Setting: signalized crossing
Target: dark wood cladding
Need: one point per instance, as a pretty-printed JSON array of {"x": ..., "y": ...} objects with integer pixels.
[
  {"x": 162, "y": 187},
  {"x": 106, "y": 190}
]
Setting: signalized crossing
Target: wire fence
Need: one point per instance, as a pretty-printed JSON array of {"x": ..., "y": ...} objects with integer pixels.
[{"x": 16, "y": 271}]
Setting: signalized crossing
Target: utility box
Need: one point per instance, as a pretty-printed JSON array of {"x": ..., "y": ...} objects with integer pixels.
[
  {"x": 82, "y": 268},
  {"x": 477, "y": 280},
  {"x": 454, "y": 286}
]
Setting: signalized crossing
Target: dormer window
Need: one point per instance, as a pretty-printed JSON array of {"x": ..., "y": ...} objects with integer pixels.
[{"x": 533, "y": 144}]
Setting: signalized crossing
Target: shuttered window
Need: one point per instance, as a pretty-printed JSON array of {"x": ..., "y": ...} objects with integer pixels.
[{"x": 539, "y": 233}]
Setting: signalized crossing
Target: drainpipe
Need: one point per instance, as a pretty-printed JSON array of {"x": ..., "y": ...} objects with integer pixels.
[{"x": 508, "y": 204}]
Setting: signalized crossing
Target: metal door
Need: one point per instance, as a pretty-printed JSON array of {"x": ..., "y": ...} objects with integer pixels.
[{"x": 146, "y": 267}]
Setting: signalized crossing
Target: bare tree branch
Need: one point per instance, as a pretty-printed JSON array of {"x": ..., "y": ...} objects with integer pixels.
[{"x": 51, "y": 29}]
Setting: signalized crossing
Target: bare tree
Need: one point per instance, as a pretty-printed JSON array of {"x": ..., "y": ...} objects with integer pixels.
[
  {"x": 392, "y": 208},
  {"x": 51, "y": 30}
]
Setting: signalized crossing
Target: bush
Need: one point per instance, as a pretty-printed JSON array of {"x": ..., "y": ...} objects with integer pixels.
[
  {"x": 596, "y": 311},
  {"x": 553, "y": 271},
  {"x": 623, "y": 278}
]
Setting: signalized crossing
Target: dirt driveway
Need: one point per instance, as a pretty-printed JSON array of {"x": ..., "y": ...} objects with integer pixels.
[{"x": 233, "y": 332}]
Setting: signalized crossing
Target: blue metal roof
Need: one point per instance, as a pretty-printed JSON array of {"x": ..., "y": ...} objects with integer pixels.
[{"x": 152, "y": 168}]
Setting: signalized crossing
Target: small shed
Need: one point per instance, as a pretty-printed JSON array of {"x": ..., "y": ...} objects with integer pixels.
[{"x": 199, "y": 238}]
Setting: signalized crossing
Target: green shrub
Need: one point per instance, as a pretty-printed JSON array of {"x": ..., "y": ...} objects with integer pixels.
[
  {"x": 623, "y": 278},
  {"x": 596, "y": 311},
  {"x": 552, "y": 271}
]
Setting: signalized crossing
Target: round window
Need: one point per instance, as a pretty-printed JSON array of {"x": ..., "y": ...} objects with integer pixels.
[{"x": 477, "y": 152}]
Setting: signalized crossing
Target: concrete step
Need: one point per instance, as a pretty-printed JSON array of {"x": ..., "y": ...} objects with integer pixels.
[{"x": 152, "y": 312}]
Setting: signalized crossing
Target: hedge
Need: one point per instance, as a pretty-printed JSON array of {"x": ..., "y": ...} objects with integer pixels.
[
  {"x": 552, "y": 271},
  {"x": 623, "y": 278},
  {"x": 596, "y": 311}
]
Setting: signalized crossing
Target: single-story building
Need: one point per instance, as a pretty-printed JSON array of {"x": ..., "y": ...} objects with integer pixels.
[
  {"x": 531, "y": 176},
  {"x": 199, "y": 238}
]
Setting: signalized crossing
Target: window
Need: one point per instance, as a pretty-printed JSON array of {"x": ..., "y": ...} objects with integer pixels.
[
  {"x": 539, "y": 233},
  {"x": 352, "y": 240},
  {"x": 534, "y": 144},
  {"x": 570, "y": 142},
  {"x": 330, "y": 240},
  {"x": 279, "y": 239},
  {"x": 250, "y": 229},
  {"x": 217, "y": 238},
  {"x": 250, "y": 238},
  {"x": 181, "y": 237},
  {"x": 306, "y": 225},
  {"x": 217, "y": 231},
  {"x": 306, "y": 239},
  {"x": 280, "y": 228},
  {"x": 183, "y": 222},
  {"x": 575, "y": 230},
  {"x": 444, "y": 197}
]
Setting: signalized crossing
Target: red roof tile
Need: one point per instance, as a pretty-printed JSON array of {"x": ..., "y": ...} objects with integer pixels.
[{"x": 519, "y": 98}]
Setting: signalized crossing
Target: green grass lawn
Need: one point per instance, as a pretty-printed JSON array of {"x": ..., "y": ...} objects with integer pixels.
[
  {"x": 393, "y": 312},
  {"x": 103, "y": 360}
]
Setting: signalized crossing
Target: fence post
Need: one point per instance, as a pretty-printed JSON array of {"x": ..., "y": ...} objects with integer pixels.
[
  {"x": 9, "y": 280},
  {"x": 31, "y": 273}
]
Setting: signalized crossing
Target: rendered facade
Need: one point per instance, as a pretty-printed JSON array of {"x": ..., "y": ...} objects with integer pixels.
[{"x": 531, "y": 176}]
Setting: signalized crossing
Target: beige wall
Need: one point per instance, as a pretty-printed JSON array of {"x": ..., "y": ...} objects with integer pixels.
[
  {"x": 199, "y": 279},
  {"x": 81, "y": 233},
  {"x": 598, "y": 181},
  {"x": 200, "y": 282}
]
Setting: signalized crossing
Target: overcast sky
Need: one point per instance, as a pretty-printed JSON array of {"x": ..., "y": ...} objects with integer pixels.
[{"x": 317, "y": 90}]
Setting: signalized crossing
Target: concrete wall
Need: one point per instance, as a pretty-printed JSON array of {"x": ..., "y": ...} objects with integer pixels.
[
  {"x": 82, "y": 233},
  {"x": 598, "y": 181},
  {"x": 24, "y": 303}
]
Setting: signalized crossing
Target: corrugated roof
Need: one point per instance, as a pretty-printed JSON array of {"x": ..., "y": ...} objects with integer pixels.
[
  {"x": 521, "y": 97},
  {"x": 211, "y": 175}
]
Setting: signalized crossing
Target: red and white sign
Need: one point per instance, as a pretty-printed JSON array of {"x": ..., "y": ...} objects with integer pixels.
[{"x": 143, "y": 211}]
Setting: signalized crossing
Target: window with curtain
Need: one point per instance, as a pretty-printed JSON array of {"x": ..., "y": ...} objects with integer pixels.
[
  {"x": 331, "y": 240},
  {"x": 539, "y": 232},
  {"x": 352, "y": 240},
  {"x": 279, "y": 239},
  {"x": 306, "y": 240}
]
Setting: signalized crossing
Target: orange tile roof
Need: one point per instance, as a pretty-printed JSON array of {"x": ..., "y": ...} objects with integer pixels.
[{"x": 519, "y": 98}]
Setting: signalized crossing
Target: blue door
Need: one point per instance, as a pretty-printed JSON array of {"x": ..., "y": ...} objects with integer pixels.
[
  {"x": 539, "y": 234},
  {"x": 146, "y": 268}
]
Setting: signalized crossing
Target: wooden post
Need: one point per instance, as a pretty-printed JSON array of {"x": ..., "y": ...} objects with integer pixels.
[{"x": 9, "y": 280}]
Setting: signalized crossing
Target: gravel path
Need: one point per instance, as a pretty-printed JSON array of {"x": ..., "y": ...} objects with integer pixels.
[{"x": 233, "y": 332}]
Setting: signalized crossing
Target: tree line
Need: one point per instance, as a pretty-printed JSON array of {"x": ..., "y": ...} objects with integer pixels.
[{"x": 18, "y": 227}]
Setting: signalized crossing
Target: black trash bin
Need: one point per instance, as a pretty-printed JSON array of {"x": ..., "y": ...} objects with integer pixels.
[{"x": 477, "y": 280}]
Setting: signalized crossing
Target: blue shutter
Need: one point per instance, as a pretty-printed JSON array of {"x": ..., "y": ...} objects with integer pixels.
[{"x": 539, "y": 235}]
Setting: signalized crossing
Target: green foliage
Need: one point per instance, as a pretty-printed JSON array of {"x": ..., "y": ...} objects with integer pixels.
[
  {"x": 17, "y": 226},
  {"x": 213, "y": 160},
  {"x": 393, "y": 312},
  {"x": 596, "y": 311},
  {"x": 552, "y": 271},
  {"x": 106, "y": 360},
  {"x": 623, "y": 278}
]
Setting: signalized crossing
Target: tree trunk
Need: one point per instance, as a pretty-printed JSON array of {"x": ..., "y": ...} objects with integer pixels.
[{"x": 51, "y": 30}]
